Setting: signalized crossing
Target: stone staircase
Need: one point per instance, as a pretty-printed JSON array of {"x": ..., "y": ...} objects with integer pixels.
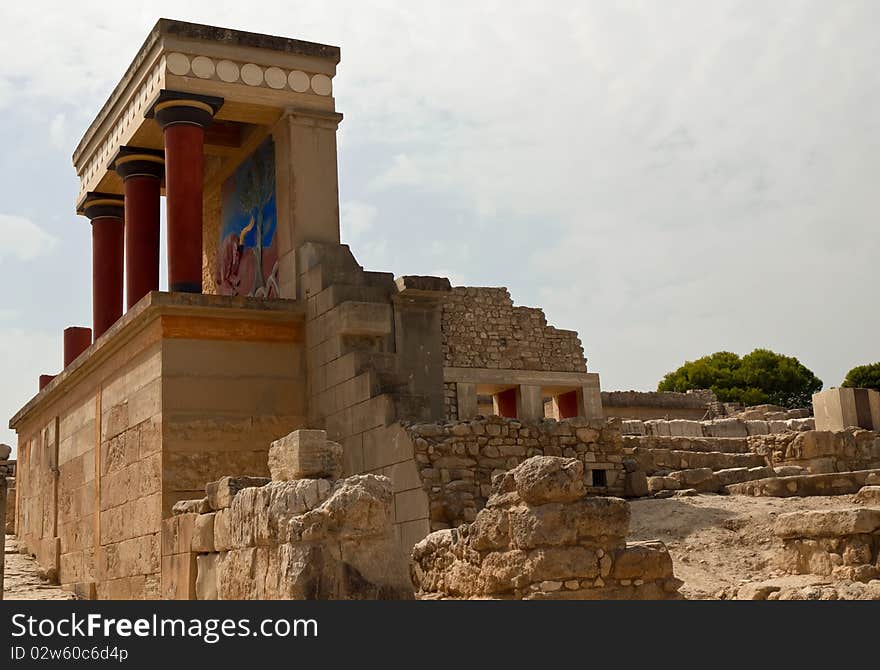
[{"x": 695, "y": 464}]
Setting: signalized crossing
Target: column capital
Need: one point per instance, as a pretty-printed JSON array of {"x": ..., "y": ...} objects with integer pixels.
[
  {"x": 97, "y": 205},
  {"x": 138, "y": 162},
  {"x": 171, "y": 108}
]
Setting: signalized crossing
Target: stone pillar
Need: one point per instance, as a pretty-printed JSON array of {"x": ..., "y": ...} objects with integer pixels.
[
  {"x": 76, "y": 340},
  {"x": 466, "y": 396},
  {"x": 307, "y": 187},
  {"x": 183, "y": 118},
  {"x": 418, "y": 339},
  {"x": 106, "y": 212},
  {"x": 141, "y": 171},
  {"x": 590, "y": 402},
  {"x": 529, "y": 403}
]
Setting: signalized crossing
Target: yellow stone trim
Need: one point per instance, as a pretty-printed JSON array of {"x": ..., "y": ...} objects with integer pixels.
[
  {"x": 103, "y": 201},
  {"x": 205, "y": 107},
  {"x": 140, "y": 157}
]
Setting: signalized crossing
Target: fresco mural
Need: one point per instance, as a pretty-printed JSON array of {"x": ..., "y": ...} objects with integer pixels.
[{"x": 247, "y": 258}]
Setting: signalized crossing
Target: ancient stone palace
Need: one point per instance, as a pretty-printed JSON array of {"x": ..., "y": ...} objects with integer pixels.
[
  {"x": 269, "y": 325},
  {"x": 283, "y": 423}
]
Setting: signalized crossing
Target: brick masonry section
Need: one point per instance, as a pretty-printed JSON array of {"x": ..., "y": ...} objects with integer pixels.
[
  {"x": 456, "y": 460},
  {"x": 483, "y": 329}
]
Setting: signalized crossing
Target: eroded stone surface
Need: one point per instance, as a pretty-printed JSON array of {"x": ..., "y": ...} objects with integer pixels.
[
  {"x": 537, "y": 539},
  {"x": 303, "y": 538}
]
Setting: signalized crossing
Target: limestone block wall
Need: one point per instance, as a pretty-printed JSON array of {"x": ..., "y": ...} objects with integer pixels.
[
  {"x": 225, "y": 400},
  {"x": 90, "y": 477},
  {"x": 181, "y": 387},
  {"x": 483, "y": 329},
  {"x": 820, "y": 451},
  {"x": 644, "y": 405},
  {"x": 450, "y": 401},
  {"x": 840, "y": 408},
  {"x": 373, "y": 358},
  {"x": 539, "y": 537},
  {"x": 844, "y": 544},
  {"x": 304, "y": 534},
  {"x": 715, "y": 428},
  {"x": 456, "y": 461}
]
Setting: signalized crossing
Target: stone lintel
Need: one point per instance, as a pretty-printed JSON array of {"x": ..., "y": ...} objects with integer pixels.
[
  {"x": 415, "y": 284},
  {"x": 508, "y": 378},
  {"x": 259, "y": 76}
]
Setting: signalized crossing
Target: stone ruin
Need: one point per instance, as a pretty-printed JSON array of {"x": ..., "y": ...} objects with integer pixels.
[
  {"x": 304, "y": 534},
  {"x": 456, "y": 460},
  {"x": 540, "y": 538},
  {"x": 843, "y": 544}
]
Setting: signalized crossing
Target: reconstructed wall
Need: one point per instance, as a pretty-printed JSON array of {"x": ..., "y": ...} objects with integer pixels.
[
  {"x": 540, "y": 538},
  {"x": 456, "y": 461},
  {"x": 840, "y": 408},
  {"x": 173, "y": 392},
  {"x": 820, "y": 451},
  {"x": 483, "y": 329},
  {"x": 727, "y": 428},
  {"x": 89, "y": 476},
  {"x": 373, "y": 358},
  {"x": 304, "y": 534},
  {"x": 225, "y": 400},
  {"x": 646, "y": 405}
]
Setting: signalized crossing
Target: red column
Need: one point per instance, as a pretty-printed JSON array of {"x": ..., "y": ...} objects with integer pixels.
[
  {"x": 184, "y": 146},
  {"x": 141, "y": 171},
  {"x": 506, "y": 401},
  {"x": 105, "y": 210},
  {"x": 183, "y": 118},
  {"x": 45, "y": 379},
  {"x": 567, "y": 403},
  {"x": 76, "y": 340}
]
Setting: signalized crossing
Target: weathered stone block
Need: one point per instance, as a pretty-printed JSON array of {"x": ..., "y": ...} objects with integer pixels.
[
  {"x": 868, "y": 495},
  {"x": 206, "y": 578},
  {"x": 222, "y": 534},
  {"x": 221, "y": 493},
  {"x": 547, "y": 479},
  {"x": 203, "y": 534},
  {"x": 685, "y": 428},
  {"x": 195, "y": 506},
  {"x": 827, "y": 523},
  {"x": 305, "y": 454},
  {"x": 642, "y": 560}
]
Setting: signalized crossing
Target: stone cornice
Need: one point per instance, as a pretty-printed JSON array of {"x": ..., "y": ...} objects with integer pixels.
[
  {"x": 152, "y": 306},
  {"x": 205, "y": 55}
]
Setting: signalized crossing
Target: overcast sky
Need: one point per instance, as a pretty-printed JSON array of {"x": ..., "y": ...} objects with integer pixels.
[{"x": 668, "y": 178}]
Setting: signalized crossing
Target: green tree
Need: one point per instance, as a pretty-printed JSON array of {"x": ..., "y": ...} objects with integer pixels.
[
  {"x": 864, "y": 376},
  {"x": 760, "y": 377}
]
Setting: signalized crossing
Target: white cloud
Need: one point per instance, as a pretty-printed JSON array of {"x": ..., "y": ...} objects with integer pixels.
[
  {"x": 355, "y": 219},
  {"x": 59, "y": 133},
  {"x": 23, "y": 239},
  {"x": 403, "y": 171},
  {"x": 29, "y": 354}
]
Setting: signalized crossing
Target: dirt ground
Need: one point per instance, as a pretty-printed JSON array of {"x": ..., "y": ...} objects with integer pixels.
[
  {"x": 724, "y": 547},
  {"x": 22, "y": 581}
]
